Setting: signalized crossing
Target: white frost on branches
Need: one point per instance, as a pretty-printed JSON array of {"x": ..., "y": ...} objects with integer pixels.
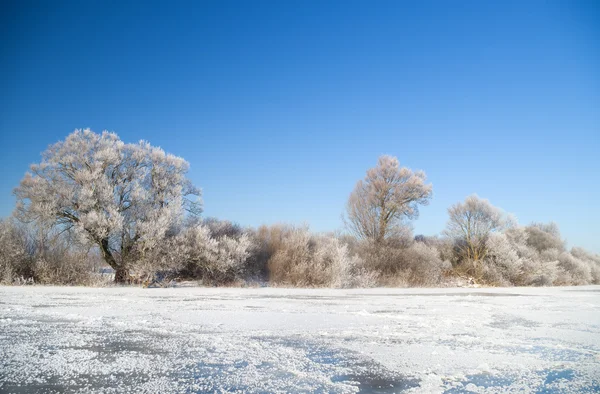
[
  {"x": 124, "y": 198},
  {"x": 388, "y": 195}
]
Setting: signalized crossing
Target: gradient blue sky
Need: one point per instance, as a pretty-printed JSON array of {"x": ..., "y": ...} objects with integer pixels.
[{"x": 280, "y": 107}]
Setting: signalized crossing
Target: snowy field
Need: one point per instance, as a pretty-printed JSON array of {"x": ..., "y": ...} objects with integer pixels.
[{"x": 117, "y": 340}]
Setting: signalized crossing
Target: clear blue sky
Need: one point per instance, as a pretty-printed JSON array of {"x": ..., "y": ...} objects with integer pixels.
[{"x": 280, "y": 107}]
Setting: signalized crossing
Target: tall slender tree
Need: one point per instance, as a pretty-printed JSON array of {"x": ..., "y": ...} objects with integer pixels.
[{"x": 388, "y": 195}]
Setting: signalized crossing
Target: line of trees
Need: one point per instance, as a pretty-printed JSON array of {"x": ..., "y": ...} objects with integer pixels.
[{"x": 95, "y": 201}]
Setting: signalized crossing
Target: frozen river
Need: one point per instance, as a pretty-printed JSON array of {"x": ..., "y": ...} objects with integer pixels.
[{"x": 117, "y": 340}]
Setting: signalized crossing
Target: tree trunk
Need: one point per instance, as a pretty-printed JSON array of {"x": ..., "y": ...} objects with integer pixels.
[
  {"x": 122, "y": 275},
  {"x": 121, "y": 272},
  {"x": 382, "y": 224}
]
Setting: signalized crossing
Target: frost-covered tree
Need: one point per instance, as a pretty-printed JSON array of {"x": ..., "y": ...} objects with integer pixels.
[
  {"x": 542, "y": 236},
  {"x": 387, "y": 195},
  {"x": 470, "y": 225},
  {"x": 124, "y": 198}
]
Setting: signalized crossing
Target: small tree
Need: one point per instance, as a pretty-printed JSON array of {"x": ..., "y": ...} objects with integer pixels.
[
  {"x": 388, "y": 195},
  {"x": 124, "y": 198},
  {"x": 470, "y": 225}
]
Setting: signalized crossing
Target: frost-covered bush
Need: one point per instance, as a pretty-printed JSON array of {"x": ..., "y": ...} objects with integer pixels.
[
  {"x": 15, "y": 252},
  {"x": 576, "y": 271},
  {"x": 417, "y": 264},
  {"x": 502, "y": 265},
  {"x": 492, "y": 275},
  {"x": 540, "y": 273},
  {"x": 381, "y": 259},
  {"x": 425, "y": 265},
  {"x": 583, "y": 254},
  {"x": 531, "y": 255},
  {"x": 443, "y": 245},
  {"x": 32, "y": 254},
  {"x": 517, "y": 236},
  {"x": 62, "y": 268},
  {"x": 542, "y": 237},
  {"x": 344, "y": 270},
  {"x": 217, "y": 259},
  {"x": 307, "y": 260},
  {"x": 266, "y": 240},
  {"x": 213, "y": 251},
  {"x": 223, "y": 228},
  {"x": 542, "y": 257},
  {"x": 291, "y": 262},
  {"x": 592, "y": 260}
]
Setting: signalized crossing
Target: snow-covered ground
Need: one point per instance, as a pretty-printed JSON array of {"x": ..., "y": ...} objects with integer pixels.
[{"x": 56, "y": 339}]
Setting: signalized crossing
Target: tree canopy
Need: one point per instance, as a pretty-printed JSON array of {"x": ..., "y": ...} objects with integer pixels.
[{"x": 124, "y": 198}]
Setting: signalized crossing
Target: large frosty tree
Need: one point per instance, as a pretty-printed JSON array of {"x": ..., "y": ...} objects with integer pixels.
[{"x": 124, "y": 198}]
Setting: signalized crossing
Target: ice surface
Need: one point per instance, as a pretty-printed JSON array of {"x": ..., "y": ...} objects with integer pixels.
[{"x": 116, "y": 340}]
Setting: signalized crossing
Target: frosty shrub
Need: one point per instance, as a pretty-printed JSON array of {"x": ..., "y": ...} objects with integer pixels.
[
  {"x": 15, "y": 252},
  {"x": 517, "y": 236},
  {"x": 491, "y": 276},
  {"x": 306, "y": 260},
  {"x": 593, "y": 261},
  {"x": 163, "y": 262},
  {"x": 583, "y": 254},
  {"x": 417, "y": 264},
  {"x": 544, "y": 236},
  {"x": 443, "y": 245},
  {"x": 540, "y": 273},
  {"x": 290, "y": 263},
  {"x": 266, "y": 240},
  {"x": 595, "y": 271},
  {"x": 62, "y": 269},
  {"x": 60, "y": 258},
  {"x": 503, "y": 266},
  {"x": 576, "y": 271},
  {"x": 344, "y": 270},
  {"x": 533, "y": 270},
  {"x": 425, "y": 265},
  {"x": 217, "y": 259},
  {"x": 544, "y": 260},
  {"x": 41, "y": 255},
  {"x": 381, "y": 259},
  {"x": 223, "y": 228}
]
